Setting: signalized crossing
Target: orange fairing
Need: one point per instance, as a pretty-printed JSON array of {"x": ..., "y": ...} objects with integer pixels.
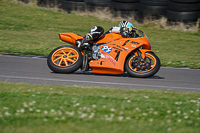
[
  {"x": 70, "y": 37},
  {"x": 110, "y": 37},
  {"x": 114, "y": 36},
  {"x": 115, "y": 52}
]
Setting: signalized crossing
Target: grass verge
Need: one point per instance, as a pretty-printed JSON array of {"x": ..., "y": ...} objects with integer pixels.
[
  {"x": 57, "y": 109},
  {"x": 28, "y": 29}
]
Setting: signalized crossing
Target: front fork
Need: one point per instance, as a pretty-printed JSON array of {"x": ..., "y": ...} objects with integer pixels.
[
  {"x": 139, "y": 60},
  {"x": 141, "y": 53}
]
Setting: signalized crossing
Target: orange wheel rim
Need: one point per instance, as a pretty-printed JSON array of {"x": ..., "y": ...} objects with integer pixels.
[
  {"x": 148, "y": 57},
  {"x": 64, "y": 57}
]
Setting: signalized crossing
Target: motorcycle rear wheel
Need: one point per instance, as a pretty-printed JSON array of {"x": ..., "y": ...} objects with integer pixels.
[
  {"x": 65, "y": 59},
  {"x": 148, "y": 70}
]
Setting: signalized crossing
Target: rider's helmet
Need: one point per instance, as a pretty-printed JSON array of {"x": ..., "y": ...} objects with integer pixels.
[
  {"x": 126, "y": 24},
  {"x": 96, "y": 32}
]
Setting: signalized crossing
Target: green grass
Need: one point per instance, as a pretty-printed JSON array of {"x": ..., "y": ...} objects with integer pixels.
[
  {"x": 65, "y": 109},
  {"x": 28, "y": 29}
]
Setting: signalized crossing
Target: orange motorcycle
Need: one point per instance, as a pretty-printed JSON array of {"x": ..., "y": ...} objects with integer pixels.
[{"x": 112, "y": 53}]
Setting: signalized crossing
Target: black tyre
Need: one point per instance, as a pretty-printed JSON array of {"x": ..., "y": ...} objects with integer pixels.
[
  {"x": 185, "y": 1},
  {"x": 71, "y": 5},
  {"x": 124, "y": 6},
  {"x": 142, "y": 70},
  {"x": 98, "y": 2},
  {"x": 65, "y": 59},
  {"x": 94, "y": 8},
  {"x": 182, "y": 16},
  {"x": 153, "y": 10},
  {"x": 47, "y": 3},
  {"x": 154, "y": 2},
  {"x": 127, "y": 1},
  {"x": 183, "y": 7},
  {"x": 77, "y": 0}
]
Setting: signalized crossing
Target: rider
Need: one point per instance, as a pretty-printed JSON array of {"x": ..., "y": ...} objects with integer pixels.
[{"x": 123, "y": 28}]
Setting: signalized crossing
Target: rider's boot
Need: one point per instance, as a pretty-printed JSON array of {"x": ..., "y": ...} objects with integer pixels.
[{"x": 85, "y": 42}]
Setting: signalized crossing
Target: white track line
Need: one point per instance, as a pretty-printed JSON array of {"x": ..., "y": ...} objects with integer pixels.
[{"x": 95, "y": 82}]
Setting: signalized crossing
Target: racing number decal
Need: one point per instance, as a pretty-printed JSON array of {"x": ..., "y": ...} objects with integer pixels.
[
  {"x": 117, "y": 56},
  {"x": 106, "y": 49}
]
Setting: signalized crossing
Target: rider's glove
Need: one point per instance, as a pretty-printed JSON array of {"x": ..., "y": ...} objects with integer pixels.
[{"x": 126, "y": 29}]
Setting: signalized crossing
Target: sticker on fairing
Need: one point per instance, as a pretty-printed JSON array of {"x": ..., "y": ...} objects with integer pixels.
[{"x": 106, "y": 49}]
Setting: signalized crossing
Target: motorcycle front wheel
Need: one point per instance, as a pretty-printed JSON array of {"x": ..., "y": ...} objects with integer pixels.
[
  {"x": 65, "y": 59},
  {"x": 147, "y": 68}
]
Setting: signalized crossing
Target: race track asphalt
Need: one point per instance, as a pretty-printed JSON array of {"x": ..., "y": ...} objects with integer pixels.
[{"x": 34, "y": 70}]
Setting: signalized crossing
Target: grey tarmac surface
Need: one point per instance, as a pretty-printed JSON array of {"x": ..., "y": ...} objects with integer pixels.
[{"x": 34, "y": 70}]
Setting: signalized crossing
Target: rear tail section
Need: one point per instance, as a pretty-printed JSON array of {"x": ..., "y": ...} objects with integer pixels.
[{"x": 71, "y": 38}]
